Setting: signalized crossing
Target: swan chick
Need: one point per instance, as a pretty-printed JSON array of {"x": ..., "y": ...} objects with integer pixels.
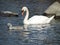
[{"x": 14, "y": 27}]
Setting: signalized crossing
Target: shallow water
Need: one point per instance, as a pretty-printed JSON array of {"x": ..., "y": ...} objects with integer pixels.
[{"x": 48, "y": 34}]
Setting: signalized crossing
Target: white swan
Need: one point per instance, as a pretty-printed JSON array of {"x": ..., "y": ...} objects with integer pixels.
[
  {"x": 35, "y": 19},
  {"x": 14, "y": 27}
]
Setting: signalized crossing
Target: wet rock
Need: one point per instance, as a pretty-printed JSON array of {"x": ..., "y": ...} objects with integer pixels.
[
  {"x": 8, "y": 14},
  {"x": 54, "y": 9}
]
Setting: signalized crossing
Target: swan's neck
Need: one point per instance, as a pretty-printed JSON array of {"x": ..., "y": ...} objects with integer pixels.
[{"x": 26, "y": 17}]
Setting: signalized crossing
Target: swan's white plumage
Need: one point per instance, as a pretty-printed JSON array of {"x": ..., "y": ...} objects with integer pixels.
[{"x": 35, "y": 19}]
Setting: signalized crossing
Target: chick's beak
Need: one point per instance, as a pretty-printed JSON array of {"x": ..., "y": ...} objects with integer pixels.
[{"x": 22, "y": 12}]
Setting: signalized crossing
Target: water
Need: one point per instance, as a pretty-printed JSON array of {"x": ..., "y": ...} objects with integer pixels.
[{"x": 48, "y": 34}]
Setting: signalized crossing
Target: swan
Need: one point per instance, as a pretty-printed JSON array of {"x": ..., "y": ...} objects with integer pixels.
[
  {"x": 35, "y": 19},
  {"x": 14, "y": 27}
]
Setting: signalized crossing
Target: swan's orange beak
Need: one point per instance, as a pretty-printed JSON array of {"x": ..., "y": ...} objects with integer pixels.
[{"x": 22, "y": 12}]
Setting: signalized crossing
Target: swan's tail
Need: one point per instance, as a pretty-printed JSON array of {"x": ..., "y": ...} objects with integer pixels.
[{"x": 51, "y": 18}]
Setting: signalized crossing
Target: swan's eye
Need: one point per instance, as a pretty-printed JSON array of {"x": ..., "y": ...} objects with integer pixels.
[{"x": 22, "y": 11}]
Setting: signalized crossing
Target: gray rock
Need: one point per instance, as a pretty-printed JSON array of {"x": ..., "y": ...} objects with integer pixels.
[{"x": 54, "y": 8}]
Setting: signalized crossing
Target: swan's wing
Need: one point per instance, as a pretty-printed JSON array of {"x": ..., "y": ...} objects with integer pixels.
[{"x": 38, "y": 19}]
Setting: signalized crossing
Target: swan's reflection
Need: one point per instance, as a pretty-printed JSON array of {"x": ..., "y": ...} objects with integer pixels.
[
  {"x": 36, "y": 32},
  {"x": 36, "y": 27},
  {"x": 28, "y": 29}
]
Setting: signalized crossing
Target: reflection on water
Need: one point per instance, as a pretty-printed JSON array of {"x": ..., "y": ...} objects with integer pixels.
[
  {"x": 35, "y": 34},
  {"x": 36, "y": 27}
]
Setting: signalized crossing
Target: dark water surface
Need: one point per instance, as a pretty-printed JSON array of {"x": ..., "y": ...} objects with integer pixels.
[{"x": 48, "y": 34}]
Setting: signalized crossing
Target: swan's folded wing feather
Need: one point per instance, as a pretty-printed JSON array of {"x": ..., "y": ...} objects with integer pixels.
[{"x": 38, "y": 19}]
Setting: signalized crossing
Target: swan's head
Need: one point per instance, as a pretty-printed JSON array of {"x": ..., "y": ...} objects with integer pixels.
[{"x": 24, "y": 9}]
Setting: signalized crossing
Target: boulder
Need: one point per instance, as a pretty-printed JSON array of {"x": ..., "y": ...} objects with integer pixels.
[
  {"x": 8, "y": 13},
  {"x": 54, "y": 8}
]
